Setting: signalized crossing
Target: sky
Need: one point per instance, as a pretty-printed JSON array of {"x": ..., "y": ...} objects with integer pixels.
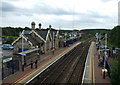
[{"x": 61, "y": 14}]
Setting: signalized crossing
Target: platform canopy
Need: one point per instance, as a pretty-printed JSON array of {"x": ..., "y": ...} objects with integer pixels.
[{"x": 28, "y": 51}]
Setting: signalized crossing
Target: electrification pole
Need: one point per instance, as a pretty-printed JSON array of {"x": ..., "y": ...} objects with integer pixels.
[
  {"x": 53, "y": 43},
  {"x": 105, "y": 57},
  {"x": 22, "y": 51}
]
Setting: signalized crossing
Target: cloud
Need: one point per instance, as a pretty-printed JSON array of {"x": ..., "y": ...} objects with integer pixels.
[
  {"x": 119, "y": 12},
  {"x": 66, "y": 13},
  {"x": 106, "y": 0},
  {"x": 95, "y": 14},
  {"x": 7, "y": 7},
  {"x": 46, "y": 9},
  {"x": 42, "y": 8},
  {"x": 82, "y": 20}
]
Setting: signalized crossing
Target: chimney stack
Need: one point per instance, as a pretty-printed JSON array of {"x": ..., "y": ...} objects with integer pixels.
[
  {"x": 40, "y": 25},
  {"x": 33, "y": 25}
]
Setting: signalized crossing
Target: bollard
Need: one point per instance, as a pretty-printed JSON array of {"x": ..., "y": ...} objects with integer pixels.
[{"x": 104, "y": 73}]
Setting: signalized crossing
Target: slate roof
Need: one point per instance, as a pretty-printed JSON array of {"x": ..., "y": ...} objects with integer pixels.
[
  {"x": 42, "y": 33},
  {"x": 33, "y": 40}
]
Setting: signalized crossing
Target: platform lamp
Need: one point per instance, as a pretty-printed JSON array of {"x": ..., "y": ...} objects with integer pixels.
[
  {"x": 99, "y": 38},
  {"x": 22, "y": 51},
  {"x": 106, "y": 56},
  {"x": 38, "y": 55},
  {"x": 65, "y": 38},
  {"x": 53, "y": 43}
]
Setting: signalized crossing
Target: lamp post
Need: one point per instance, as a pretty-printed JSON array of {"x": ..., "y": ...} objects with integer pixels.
[
  {"x": 96, "y": 35},
  {"x": 53, "y": 43},
  {"x": 38, "y": 55},
  {"x": 2, "y": 70},
  {"x": 105, "y": 57},
  {"x": 65, "y": 39},
  {"x": 22, "y": 51}
]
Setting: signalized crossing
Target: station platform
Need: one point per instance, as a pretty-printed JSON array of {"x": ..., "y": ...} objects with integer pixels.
[
  {"x": 45, "y": 61},
  {"x": 92, "y": 72}
]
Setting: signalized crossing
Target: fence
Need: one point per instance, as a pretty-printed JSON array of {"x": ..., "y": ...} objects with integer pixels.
[{"x": 9, "y": 68}]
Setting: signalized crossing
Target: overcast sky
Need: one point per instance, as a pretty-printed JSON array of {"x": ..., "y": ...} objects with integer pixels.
[{"x": 64, "y": 14}]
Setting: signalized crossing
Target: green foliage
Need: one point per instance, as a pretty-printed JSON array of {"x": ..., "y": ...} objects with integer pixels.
[
  {"x": 66, "y": 31},
  {"x": 75, "y": 30},
  {"x": 114, "y": 40},
  {"x": 11, "y": 31},
  {"x": 67, "y": 36},
  {"x": 115, "y": 36},
  {"x": 10, "y": 40},
  {"x": 84, "y": 36},
  {"x": 93, "y": 31},
  {"x": 26, "y": 28},
  {"x": 115, "y": 76}
]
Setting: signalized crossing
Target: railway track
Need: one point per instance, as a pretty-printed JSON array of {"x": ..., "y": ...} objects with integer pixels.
[{"x": 68, "y": 69}]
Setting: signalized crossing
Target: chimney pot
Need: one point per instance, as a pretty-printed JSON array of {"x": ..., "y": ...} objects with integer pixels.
[
  {"x": 40, "y": 25},
  {"x": 50, "y": 26},
  {"x": 33, "y": 25}
]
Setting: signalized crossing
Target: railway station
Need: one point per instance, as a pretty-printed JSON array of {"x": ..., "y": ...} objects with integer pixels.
[
  {"x": 52, "y": 42},
  {"x": 74, "y": 64},
  {"x": 49, "y": 56}
]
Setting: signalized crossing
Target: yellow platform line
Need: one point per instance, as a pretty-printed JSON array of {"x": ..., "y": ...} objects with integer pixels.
[
  {"x": 92, "y": 63},
  {"x": 93, "y": 74},
  {"x": 22, "y": 78}
]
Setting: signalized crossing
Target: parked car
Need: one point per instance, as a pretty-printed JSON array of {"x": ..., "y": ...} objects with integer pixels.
[{"x": 7, "y": 47}]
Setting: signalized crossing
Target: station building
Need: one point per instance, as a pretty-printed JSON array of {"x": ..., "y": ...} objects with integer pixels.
[
  {"x": 34, "y": 42},
  {"x": 37, "y": 38}
]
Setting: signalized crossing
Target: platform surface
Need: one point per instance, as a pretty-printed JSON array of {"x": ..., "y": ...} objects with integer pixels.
[
  {"x": 92, "y": 72},
  {"x": 46, "y": 60}
]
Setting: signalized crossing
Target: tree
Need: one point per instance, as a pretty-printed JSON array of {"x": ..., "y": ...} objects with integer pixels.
[
  {"x": 114, "y": 39},
  {"x": 11, "y": 31},
  {"x": 26, "y": 28},
  {"x": 115, "y": 36},
  {"x": 10, "y": 40},
  {"x": 115, "y": 69}
]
